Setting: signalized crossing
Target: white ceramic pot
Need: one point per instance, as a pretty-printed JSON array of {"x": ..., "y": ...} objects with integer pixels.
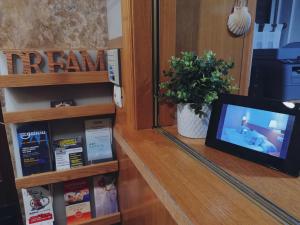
[{"x": 191, "y": 125}]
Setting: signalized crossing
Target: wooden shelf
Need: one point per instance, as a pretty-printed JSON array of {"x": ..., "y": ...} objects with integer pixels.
[
  {"x": 65, "y": 175},
  {"x": 104, "y": 220},
  {"x": 267, "y": 182},
  {"x": 59, "y": 113},
  {"x": 115, "y": 43},
  {"x": 47, "y": 79}
]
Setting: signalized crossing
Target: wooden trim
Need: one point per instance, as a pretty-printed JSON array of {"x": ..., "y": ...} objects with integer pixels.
[
  {"x": 142, "y": 62},
  {"x": 65, "y": 175},
  {"x": 115, "y": 43},
  {"x": 59, "y": 113},
  {"x": 167, "y": 42},
  {"x": 247, "y": 52},
  {"x": 46, "y": 79},
  {"x": 136, "y": 58},
  {"x": 104, "y": 220},
  {"x": 126, "y": 115}
]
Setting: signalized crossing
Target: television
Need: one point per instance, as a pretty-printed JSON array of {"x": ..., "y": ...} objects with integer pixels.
[{"x": 261, "y": 130}]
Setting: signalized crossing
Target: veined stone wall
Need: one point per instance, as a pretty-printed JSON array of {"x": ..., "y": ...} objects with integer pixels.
[{"x": 59, "y": 24}]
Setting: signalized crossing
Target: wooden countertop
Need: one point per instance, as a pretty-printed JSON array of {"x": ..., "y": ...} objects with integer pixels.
[
  {"x": 282, "y": 190},
  {"x": 189, "y": 191}
]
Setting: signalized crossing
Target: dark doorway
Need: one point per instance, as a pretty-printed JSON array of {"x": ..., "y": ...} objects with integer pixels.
[{"x": 9, "y": 204}]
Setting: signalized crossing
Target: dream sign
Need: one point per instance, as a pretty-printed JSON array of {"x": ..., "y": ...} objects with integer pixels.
[{"x": 35, "y": 61}]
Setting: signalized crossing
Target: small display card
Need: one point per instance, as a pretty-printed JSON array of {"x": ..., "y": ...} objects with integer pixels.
[
  {"x": 68, "y": 153},
  {"x": 98, "y": 135}
]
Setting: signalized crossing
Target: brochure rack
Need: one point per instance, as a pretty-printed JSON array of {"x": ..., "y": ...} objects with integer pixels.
[{"x": 27, "y": 98}]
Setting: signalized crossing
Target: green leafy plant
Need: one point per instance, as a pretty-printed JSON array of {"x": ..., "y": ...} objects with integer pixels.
[{"x": 197, "y": 80}]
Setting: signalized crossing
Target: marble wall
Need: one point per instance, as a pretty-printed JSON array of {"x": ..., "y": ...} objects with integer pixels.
[
  {"x": 61, "y": 24},
  {"x": 53, "y": 24}
]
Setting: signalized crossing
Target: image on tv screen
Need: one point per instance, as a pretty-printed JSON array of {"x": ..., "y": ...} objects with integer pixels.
[{"x": 259, "y": 130}]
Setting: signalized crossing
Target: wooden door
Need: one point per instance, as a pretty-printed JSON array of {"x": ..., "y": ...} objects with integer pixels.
[{"x": 199, "y": 26}]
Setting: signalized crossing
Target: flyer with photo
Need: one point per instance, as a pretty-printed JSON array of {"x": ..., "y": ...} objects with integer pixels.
[
  {"x": 77, "y": 201},
  {"x": 105, "y": 195},
  {"x": 38, "y": 206}
]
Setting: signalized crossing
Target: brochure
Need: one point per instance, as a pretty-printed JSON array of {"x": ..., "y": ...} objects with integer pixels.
[
  {"x": 77, "y": 201},
  {"x": 98, "y": 135},
  {"x": 34, "y": 148},
  {"x": 38, "y": 205},
  {"x": 68, "y": 153},
  {"x": 105, "y": 195}
]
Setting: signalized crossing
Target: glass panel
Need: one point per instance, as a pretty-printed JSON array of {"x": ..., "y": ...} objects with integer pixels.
[
  {"x": 199, "y": 26},
  {"x": 196, "y": 26}
]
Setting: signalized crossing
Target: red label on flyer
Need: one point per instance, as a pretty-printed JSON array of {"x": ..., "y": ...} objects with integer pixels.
[{"x": 40, "y": 218}]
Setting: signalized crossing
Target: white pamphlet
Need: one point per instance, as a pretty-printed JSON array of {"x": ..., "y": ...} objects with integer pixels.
[
  {"x": 38, "y": 205},
  {"x": 98, "y": 133}
]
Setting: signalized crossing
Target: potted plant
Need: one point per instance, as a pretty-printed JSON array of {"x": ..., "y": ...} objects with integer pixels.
[{"x": 194, "y": 83}]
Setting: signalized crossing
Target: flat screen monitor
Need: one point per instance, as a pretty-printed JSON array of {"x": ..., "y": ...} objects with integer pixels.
[{"x": 260, "y": 130}]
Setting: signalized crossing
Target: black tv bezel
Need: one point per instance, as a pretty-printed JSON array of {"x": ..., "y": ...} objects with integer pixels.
[{"x": 289, "y": 165}]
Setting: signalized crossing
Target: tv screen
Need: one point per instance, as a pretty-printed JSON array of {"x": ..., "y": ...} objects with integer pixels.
[{"x": 255, "y": 129}]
